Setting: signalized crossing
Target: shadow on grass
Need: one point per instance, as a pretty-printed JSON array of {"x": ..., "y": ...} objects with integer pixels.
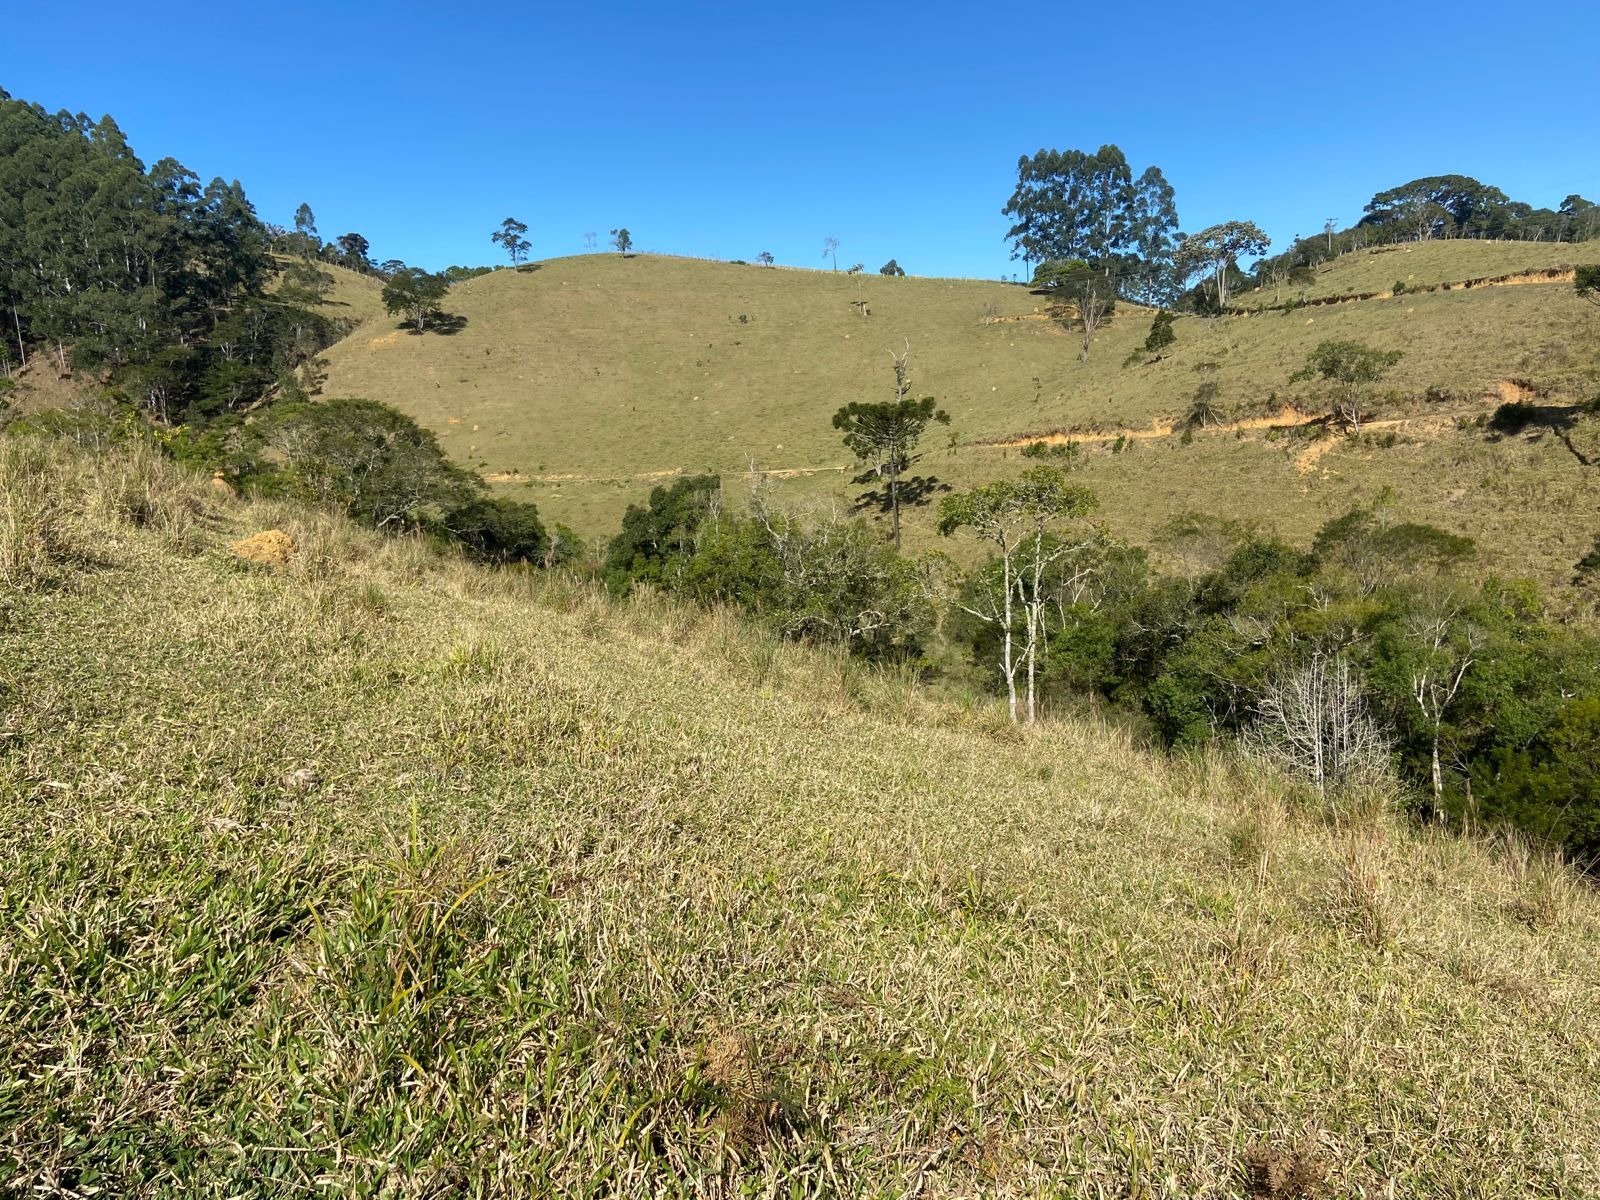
[
  {"x": 445, "y": 324},
  {"x": 1559, "y": 420},
  {"x": 915, "y": 491}
]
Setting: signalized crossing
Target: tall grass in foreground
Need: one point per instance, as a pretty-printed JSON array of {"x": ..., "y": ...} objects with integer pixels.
[{"x": 385, "y": 875}]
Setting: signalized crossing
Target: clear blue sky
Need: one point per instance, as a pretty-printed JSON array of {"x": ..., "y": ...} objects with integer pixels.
[{"x": 727, "y": 129}]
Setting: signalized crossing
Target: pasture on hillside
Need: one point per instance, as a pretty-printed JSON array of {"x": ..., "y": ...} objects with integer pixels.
[
  {"x": 580, "y": 383},
  {"x": 378, "y": 873}
]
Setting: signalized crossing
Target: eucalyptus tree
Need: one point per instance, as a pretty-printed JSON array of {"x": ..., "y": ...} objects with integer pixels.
[
  {"x": 1217, "y": 249},
  {"x": 509, "y": 238},
  {"x": 1073, "y": 205},
  {"x": 306, "y": 242}
]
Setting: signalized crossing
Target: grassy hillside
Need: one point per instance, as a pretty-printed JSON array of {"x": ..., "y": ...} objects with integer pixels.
[
  {"x": 580, "y": 383},
  {"x": 353, "y": 296},
  {"x": 384, "y": 875},
  {"x": 1425, "y": 264}
]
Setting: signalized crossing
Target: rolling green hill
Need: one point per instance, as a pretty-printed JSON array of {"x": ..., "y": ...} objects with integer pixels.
[
  {"x": 579, "y": 382},
  {"x": 381, "y": 874}
]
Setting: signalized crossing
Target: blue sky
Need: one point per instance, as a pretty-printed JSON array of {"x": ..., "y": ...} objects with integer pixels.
[{"x": 726, "y": 129}]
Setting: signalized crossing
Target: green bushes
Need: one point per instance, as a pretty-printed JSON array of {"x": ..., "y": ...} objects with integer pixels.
[
  {"x": 656, "y": 539},
  {"x": 827, "y": 580},
  {"x": 1068, "y": 450},
  {"x": 497, "y": 530},
  {"x": 1488, "y": 709},
  {"x": 1551, "y": 786},
  {"x": 374, "y": 462}
]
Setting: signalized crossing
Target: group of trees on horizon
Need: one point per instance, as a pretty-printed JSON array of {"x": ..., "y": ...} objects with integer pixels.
[
  {"x": 1433, "y": 208},
  {"x": 144, "y": 277},
  {"x": 1086, "y": 227}
]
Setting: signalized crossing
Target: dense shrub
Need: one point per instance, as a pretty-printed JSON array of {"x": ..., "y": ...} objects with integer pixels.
[
  {"x": 656, "y": 539},
  {"x": 829, "y": 580},
  {"x": 497, "y": 530},
  {"x": 373, "y": 461}
]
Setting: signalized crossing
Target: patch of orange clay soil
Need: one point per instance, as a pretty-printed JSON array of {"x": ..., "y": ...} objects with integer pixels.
[
  {"x": 641, "y": 476},
  {"x": 1504, "y": 392}
]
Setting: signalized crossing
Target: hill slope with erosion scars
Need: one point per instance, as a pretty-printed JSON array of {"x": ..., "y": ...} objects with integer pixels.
[{"x": 582, "y": 381}]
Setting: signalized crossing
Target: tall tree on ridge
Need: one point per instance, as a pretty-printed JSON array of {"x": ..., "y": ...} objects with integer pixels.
[
  {"x": 354, "y": 251},
  {"x": 509, "y": 238},
  {"x": 1073, "y": 205},
  {"x": 305, "y": 229}
]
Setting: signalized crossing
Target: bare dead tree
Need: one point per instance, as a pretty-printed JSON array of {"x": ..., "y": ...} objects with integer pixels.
[
  {"x": 1094, "y": 309},
  {"x": 1314, "y": 721}
]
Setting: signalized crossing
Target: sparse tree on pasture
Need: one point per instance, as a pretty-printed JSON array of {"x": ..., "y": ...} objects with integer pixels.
[
  {"x": 1351, "y": 369},
  {"x": 1092, "y": 293},
  {"x": 1204, "y": 409},
  {"x": 765, "y": 258},
  {"x": 830, "y": 246},
  {"x": 1161, "y": 335},
  {"x": 509, "y": 238},
  {"x": 622, "y": 240},
  {"x": 416, "y": 293}
]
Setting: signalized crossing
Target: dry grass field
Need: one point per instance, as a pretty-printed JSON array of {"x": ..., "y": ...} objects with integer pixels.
[
  {"x": 382, "y": 875},
  {"x": 583, "y": 382},
  {"x": 1425, "y": 264}
]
